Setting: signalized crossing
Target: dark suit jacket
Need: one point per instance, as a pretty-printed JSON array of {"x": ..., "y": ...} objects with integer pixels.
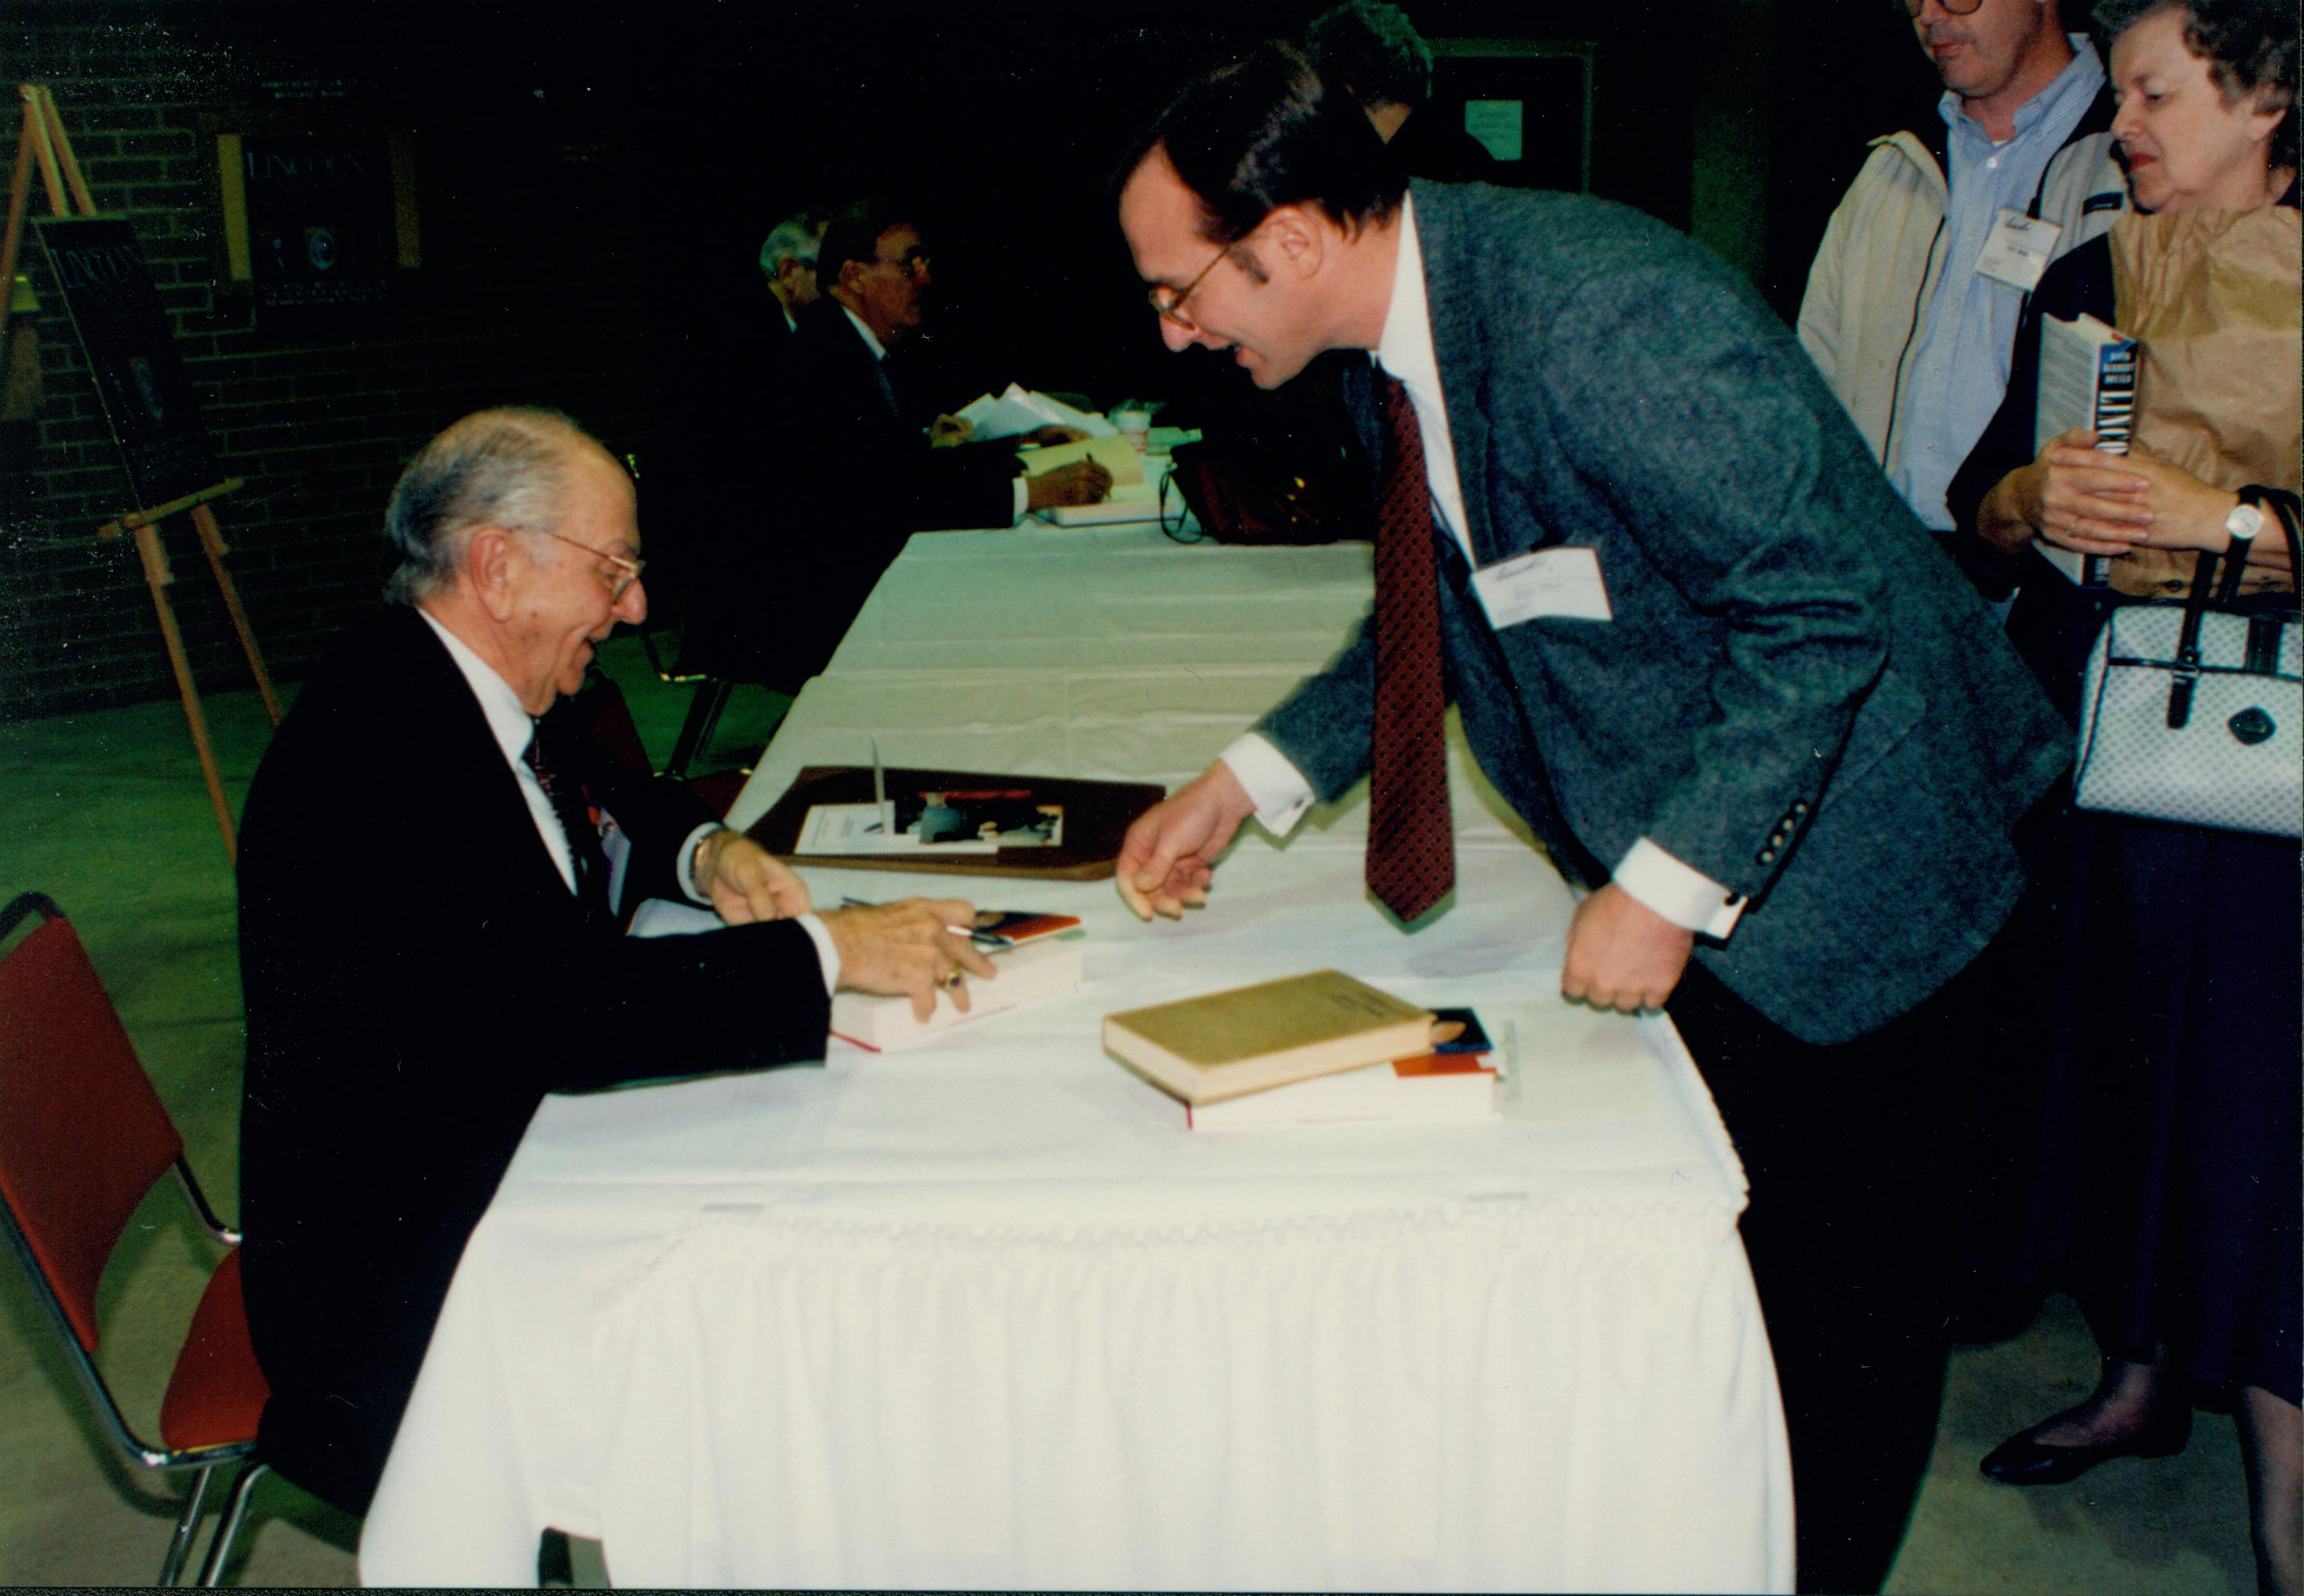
[
  {"x": 861, "y": 479},
  {"x": 1799, "y": 694},
  {"x": 417, "y": 977}
]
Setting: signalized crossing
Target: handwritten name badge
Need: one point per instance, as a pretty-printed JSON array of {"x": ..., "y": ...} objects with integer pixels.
[
  {"x": 1564, "y": 583},
  {"x": 2017, "y": 250}
]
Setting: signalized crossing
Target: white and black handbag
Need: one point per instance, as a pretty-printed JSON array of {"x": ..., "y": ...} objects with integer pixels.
[{"x": 2191, "y": 711}]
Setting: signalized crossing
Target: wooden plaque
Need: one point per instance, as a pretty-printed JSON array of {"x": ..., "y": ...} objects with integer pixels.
[{"x": 1096, "y": 818}]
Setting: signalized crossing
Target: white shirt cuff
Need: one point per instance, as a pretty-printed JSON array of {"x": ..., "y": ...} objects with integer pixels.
[
  {"x": 1277, "y": 788},
  {"x": 687, "y": 862},
  {"x": 827, "y": 956},
  {"x": 1023, "y": 499},
  {"x": 1683, "y": 895}
]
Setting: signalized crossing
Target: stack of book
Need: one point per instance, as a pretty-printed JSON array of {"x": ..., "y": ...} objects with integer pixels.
[
  {"x": 1305, "y": 1049},
  {"x": 1037, "y": 956}
]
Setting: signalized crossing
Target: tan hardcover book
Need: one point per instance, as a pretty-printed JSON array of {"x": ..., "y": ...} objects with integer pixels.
[{"x": 1227, "y": 1043}]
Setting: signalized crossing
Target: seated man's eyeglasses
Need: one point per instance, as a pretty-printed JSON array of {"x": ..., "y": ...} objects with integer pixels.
[
  {"x": 912, "y": 263},
  {"x": 1953, "y": 8},
  {"x": 628, "y": 572}
]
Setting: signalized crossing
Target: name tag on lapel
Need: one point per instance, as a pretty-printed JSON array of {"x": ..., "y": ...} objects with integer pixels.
[{"x": 1561, "y": 583}]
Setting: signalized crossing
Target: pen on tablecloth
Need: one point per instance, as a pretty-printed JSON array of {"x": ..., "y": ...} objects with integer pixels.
[
  {"x": 885, "y": 821},
  {"x": 988, "y": 939}
]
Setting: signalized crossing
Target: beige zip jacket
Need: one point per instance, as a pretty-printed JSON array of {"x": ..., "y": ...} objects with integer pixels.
[{"x": 1884, "y": 249}]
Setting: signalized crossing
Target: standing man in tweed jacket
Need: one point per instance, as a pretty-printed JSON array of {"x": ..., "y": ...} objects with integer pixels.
[{"x": 1695, "y": 641}]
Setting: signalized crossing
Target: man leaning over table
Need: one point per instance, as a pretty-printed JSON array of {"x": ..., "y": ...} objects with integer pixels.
[
  {"x": 1696, "y": 640},
  {"x": 431, "y": 867}
]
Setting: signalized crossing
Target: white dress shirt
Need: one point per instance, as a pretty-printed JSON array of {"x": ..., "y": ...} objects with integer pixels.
[
  {"x": 512, "y": 727},
  {"x": 1682, "y": 894}
]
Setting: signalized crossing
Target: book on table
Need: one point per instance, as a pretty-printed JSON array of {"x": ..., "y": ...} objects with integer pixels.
[
  {"x": 2088, "y": 379},
  {"x": 1030, "y": 972},
  {"x": 1434, "y": 1088},
  {"x": 1246, "y": 1039}
]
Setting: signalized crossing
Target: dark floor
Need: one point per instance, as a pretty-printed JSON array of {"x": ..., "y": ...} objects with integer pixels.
[{"x": 106, "y": 812}]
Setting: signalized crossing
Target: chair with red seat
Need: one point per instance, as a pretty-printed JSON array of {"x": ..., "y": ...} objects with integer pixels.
[{"x": 83, "y": 1139}]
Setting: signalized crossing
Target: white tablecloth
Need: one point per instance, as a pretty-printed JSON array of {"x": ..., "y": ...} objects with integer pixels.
[{"x": 984, "y": 1313}]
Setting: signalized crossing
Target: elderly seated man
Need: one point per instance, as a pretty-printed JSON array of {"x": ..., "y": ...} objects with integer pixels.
[{"x": 410, "y": 997}]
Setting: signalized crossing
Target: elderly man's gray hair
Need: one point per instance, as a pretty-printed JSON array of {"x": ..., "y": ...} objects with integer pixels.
[
  {"x": 499, "y": 467},
  {"x": 794, "y": 238}
]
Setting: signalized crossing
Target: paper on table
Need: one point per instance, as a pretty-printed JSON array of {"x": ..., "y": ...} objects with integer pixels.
[
  {"x": 856, "y": 828},
  {"x": 1019, "y": 410},
  {"x": 1113, "y": 455}
]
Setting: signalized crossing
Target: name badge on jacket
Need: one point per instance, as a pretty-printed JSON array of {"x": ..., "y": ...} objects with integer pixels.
[
  {"x": 1564, "y": 583},
  {"x": 2019, "y": 249}
]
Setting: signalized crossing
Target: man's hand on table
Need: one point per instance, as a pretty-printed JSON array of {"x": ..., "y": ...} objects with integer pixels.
[
  {"x": 949, "y": 431},
  {"x": 744, "y": 881},
  {"x": 1053, "y": 433},
  {"x": 1082, "y": 482},
  {"x": 908, "y": 949},
  {"x": 1622, "y": 954},
  {"x": 1170, "y": 851}
]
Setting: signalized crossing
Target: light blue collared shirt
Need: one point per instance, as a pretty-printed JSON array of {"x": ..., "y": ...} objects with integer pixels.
[{"x": 1961, "y": 359}]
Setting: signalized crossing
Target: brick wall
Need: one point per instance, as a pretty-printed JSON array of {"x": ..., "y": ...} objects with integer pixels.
[{"x": 527, "y": 291}]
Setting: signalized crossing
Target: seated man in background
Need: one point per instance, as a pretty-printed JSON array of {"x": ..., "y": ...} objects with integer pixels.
[
  {"x": 399, "y": 1041},
  {"x": 874, "y": 477},
  {"x": 788, "y": 261}
]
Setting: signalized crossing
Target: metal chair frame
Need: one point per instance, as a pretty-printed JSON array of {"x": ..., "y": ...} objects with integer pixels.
[{"x": 205, "y": 1460}]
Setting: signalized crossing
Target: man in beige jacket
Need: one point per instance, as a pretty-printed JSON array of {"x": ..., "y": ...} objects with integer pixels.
[{"x": 1914, "y": 296}]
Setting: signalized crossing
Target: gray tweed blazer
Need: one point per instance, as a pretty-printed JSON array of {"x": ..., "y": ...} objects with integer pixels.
[{"x": 1799, "y": 694}]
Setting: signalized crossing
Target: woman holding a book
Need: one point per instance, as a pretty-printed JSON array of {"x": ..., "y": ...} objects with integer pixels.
[{"x": 2169, "y": 954}]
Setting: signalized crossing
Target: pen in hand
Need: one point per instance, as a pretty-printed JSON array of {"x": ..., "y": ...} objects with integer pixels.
[{"x": 982, "y": 939}]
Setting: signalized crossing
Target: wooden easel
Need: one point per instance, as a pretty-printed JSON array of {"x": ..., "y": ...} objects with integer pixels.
[{"x": 45, "y": 143}]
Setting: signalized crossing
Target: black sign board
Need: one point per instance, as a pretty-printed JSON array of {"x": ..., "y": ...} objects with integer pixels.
[
  {"x": 131, "y": 353},
  {"x": 321, "y": 232}
]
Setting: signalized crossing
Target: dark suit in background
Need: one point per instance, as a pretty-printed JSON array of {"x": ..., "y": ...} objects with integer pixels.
[
  {"x": 714, "y": 464},
  {"x": 417, "y": 976},
  {"x": 1798, "y": 695},
  {"x": 861, "y": 478}
]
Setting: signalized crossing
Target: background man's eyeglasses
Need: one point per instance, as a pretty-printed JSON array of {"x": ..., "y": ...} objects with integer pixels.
[
  {"x": 1957, "y": 8},
  {"x": 911, "y": 264}
]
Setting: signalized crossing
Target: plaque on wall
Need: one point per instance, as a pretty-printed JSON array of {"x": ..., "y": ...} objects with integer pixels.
[
  {"x": 316, "y": 225},
  {"x": 131, "y": 347}
]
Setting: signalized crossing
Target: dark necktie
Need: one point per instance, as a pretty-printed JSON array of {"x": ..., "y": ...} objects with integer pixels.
[
  {"x": 887, "y": 389},
  {"x": 1411, "y": 857},
  {"x": 566, "y": 792}
]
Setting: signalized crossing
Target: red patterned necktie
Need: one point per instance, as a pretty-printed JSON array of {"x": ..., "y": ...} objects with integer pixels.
[{"x": 1412, "y": 861}]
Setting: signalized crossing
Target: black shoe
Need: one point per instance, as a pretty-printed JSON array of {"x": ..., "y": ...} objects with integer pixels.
[{"x": 2023, "y": 1461}]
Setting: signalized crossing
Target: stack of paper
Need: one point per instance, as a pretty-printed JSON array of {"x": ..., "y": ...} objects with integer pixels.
[{"x": 1021, "y": 411}]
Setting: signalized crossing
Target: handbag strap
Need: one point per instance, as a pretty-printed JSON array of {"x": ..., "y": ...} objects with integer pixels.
[
  {"x": 2184, "y": 671},
  {"x": 2208, "y": 594},
  {"x": 1174, "y": 529}
]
